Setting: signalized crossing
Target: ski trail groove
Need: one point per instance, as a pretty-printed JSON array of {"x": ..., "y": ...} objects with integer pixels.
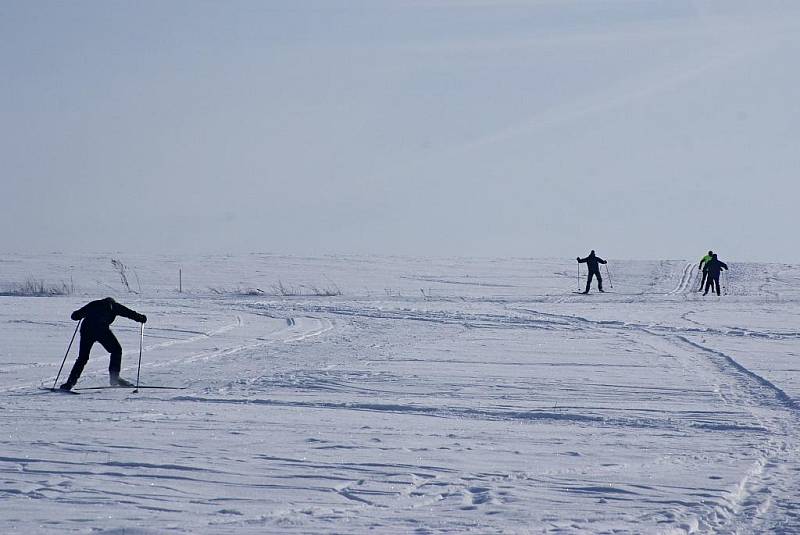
[
  {"x": 754, "y": 497},
  {"x": 309, "y": 328},
  {"x": 684, "y": 281},
  {"x": 759, "y": 489}
]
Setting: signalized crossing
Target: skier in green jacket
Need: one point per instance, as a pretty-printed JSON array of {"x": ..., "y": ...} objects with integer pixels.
[{"x": 702, "y": 267}]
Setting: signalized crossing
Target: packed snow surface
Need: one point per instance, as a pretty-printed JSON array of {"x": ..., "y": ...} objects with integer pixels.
[{"x": 423, "y": 396}]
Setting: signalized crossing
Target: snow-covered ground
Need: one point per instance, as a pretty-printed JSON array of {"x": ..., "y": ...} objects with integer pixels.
[{"x": 432, "y": 395}]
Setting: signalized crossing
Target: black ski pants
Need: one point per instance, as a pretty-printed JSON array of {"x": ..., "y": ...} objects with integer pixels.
[
  {"x": 712, "y": 280},
  {"x": 109, "y": 343},
  {"x": 599, "y": 279},
  {"x": 703, "y": 281}
]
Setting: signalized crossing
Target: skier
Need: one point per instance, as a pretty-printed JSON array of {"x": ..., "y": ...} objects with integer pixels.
[
  {"x": 97, "y": 317},
  {"x": 593, "y": 263},
  {"x": 703, "y": 262},
  {"x": 713, "y": 268}
]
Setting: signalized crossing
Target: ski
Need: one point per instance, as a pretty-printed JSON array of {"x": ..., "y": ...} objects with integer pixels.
[
  {"x": 132, "y": 386},
  {"x": 151, "y": 387},
  {"x": 60, "y": 390}
]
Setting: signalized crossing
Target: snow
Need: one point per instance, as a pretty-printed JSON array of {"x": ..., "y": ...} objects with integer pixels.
[{"x": 432, "y": 395}]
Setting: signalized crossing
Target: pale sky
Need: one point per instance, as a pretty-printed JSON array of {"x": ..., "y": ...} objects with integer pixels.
[{"x": 642, "y": 129}]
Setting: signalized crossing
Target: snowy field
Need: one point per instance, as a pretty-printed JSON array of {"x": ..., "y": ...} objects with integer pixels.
[{"x": 432, "y": 395}]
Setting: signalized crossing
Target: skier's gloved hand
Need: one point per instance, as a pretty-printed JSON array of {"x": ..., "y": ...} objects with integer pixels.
[
  {"x": 74, "y": 316},
  {"x": 142, "y": 318},
  {"x": 578, "y": 259}
]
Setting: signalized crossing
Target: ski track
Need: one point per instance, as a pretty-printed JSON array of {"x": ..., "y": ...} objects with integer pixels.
[
  {"x": 750, "y": 501},
  {"x": 746, "y": 506},
  {"x": 543, "y": 321},
  {"x": 685, "y": 281},
  {"x": 364, "y": 474}
]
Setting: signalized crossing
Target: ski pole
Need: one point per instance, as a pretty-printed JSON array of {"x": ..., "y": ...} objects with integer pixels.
[
  {"x": 141, "y": 341},
  {"x": 579, "y": 277},
  {"x": 609, "y": 277},
  {"x": 65, "y": 354}
]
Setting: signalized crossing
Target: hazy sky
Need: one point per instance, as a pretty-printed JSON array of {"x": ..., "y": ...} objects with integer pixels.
[{"x": 642, "y": 129}]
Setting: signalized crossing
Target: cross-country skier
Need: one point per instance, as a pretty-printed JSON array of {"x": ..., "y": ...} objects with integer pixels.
[
  {"x": 593, "y": 263},
  {"x": 97, "y": 317},
  {"x": 701, "y": 267},
  {"x": 714, "y": 267}
]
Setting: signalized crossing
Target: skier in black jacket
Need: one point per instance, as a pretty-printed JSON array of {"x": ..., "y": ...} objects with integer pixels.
[
  {"x": 593, "y": 263},
  {"x": 714, "y": 267},
  {"x": 97, "y": 318}
]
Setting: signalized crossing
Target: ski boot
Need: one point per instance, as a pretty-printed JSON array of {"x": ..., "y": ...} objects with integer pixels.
[{"x": 116, "y": 380}]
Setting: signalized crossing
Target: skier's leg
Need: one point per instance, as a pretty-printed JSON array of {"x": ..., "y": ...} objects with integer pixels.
[
  {"x": 702, "y": 282},
  {"x": 589, "y": 282},
  {"x": 111, "y": 344},
  {"x": 716, "y": 284},
  {"x": 85, "y": 347},
  {"x": 708, "y": 285},
  {"x": 599, "y": 281}
]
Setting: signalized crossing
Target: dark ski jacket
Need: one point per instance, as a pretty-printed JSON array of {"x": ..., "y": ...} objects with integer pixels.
[
  {"x": 714, "y": 267},
  {"x": 99, "y": 315},
  {"x": 592, "y": 262}
]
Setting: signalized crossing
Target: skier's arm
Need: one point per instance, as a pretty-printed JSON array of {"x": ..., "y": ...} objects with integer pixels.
[
  {"x": 581, "y": 260},
  {"x": 125, "y": 312},
  {"x": 79, "y": 314},
  {"x": 723, "y": 265},
  {"x": 601, "y": 260}
]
